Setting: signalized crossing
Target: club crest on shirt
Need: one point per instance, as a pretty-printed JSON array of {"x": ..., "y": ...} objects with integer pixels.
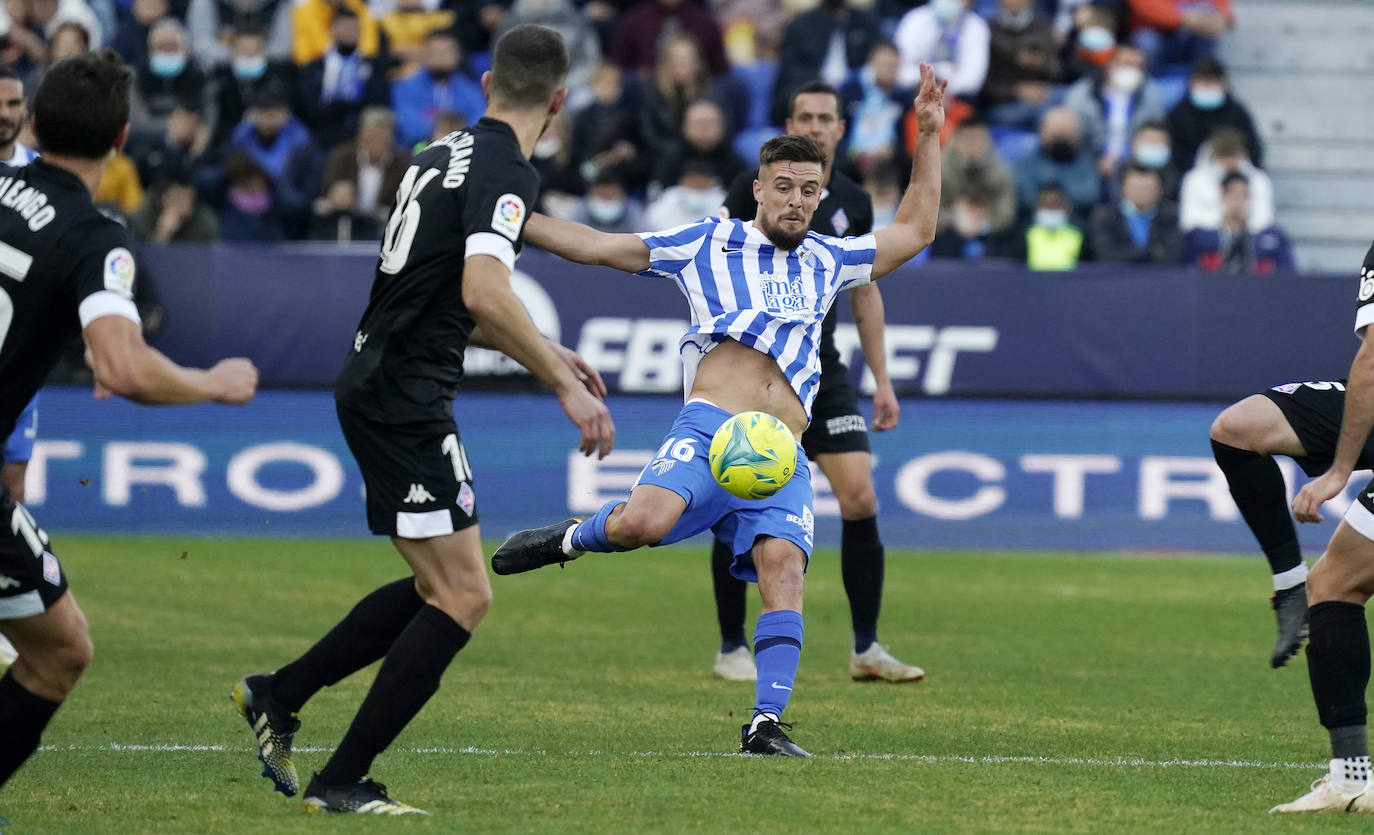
[
  {"x": 509, "y": 215},
  {"x": 119, "y": 272},
  {"x": 840, "y": 221}
]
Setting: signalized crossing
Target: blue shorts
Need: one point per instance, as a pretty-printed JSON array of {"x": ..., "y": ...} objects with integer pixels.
[
  {"x": 19, "y": 445},
  {"x": 683, "y": 466}
]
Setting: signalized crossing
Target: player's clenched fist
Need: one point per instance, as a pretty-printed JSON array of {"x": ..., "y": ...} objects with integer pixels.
[{"x": 236, "y": 380}]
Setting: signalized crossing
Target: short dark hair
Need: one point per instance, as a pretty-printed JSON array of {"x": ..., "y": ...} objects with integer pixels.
[
  {"x": 82, "y": 105},
  {"x": 1210, "y": 69},
  {"x": 1136, "y": 168},
  {"x": 791, "y": 147},
  {"x": 528, "y": 66},
  {"x": 1234, "y": 177},
  {"x": 7, "y": 72},
  {"x": 1150, "y": 124},
  {"x": 342, "y": 12},
  {"x": 815, "y": 87}
]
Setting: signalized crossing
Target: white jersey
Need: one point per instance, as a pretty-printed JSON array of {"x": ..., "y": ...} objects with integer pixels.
[{"x": 740, "y": 286}]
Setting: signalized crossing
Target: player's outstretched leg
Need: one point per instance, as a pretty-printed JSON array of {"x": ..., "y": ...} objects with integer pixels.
[
  {"x": 650, "y": 515},
  {"x": 734, "y": 661},
  {"x": 1245, "y": 437},
  {"x": 1338, "y": 667},
  {"x": 777, "y": 647},
  {"x": 537, "y": 547}
]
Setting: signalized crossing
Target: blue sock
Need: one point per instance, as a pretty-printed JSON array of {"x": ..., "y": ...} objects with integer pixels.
[
  {"x": 777, "y": 651},
  {"x": 863, "y": 639},
  {"x": 591, "y": 534}
]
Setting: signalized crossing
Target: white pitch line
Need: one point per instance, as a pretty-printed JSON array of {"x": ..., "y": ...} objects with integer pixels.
[{"x": 991, "y": 759}]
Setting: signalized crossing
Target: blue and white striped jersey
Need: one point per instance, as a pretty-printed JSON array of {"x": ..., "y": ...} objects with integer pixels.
[{"x": 740, "y": 286}]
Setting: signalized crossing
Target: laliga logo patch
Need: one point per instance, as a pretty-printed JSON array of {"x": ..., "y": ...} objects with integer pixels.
[
  {"x": 1366, "y": 283},
  {"x": 509, "y": 215},
  {"x": 119, "y": 272}
]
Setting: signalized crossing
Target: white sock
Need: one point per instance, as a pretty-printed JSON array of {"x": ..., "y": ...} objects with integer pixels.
[
  {"x": 567, "y": 542},
  {"x": 1352, "y": 772},
  {"x": 1290, "y": 578},
  {"x": 770, "y": 717}
]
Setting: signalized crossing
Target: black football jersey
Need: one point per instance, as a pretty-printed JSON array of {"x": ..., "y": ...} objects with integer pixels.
[
  {"x": 62, "y": 266},
  {"x": 468, "y": 193},
  {"x": 845, "y": 210}
]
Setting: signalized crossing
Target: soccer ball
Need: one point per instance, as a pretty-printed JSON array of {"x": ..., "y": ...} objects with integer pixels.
[{"x": 753, "y": 455}]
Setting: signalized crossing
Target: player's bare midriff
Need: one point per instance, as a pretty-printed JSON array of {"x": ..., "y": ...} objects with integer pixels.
[{"x": 738, "y": 378}]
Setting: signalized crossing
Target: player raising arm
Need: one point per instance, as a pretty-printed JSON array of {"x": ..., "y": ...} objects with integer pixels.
[{"x": 66, "y": 268}]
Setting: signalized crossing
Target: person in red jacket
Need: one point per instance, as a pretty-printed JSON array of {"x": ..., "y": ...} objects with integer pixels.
[{"x": 1178, "y": 31}]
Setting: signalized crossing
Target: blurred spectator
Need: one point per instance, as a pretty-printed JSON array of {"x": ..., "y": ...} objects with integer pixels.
[
  {"x": 704, "y": 139},
  {"x": 212, "y": 24},
  {"x": 166, "y": 76},
  {"x": 967, "y": 234},
  {"x": 119, "y": 186},
  {"x": 559, "y": 183},
  {"x": 1141, "y": 228},
  {"x": 334, "y": 89},
  {"x": 970, "y": 163},
  {"x": 681, "y": 79},
  {"x": 69, "y": 39},
  {"x": 751, "y": 29},
  {"x": 248, "y": 72},
  {"x": 650, "y": 25},
  {"x": 477, "y": 19},
  {"x": 1178, "y": 31},
  {"x": 697, "y": 194},
  {"x": 1023, "y": 65},
  {"x": 14, "y": 115},
  {"x": 311, "y": 35},
  {"x": 335, "y": 216},
  {"x": 1113, "y": 105},
  {"x": 884, "y": 186},
  {"x": 1200, "y": 193},
  {"x": 947, "y": 35},
  {"x": 281, "y": 147},
  {"x": 1208, "y": 106},
  {"x": 406, "y": 26},
  {"x": 606, "y": 132},
  {"x": 171, "y": 213},
  {"x": 1061, "y": 159},
  {"x": 131, "y": 36},
  {"x": 584, "y": 48},
  {"x": 445, "y": 122},
  {"x": 1231, "y": 247},
  {"x": 1092, "y": 40},
  {"x": 1150, "y": 149},
  {"x": 371, "y": 162},
  {"x": 178, "y": 148},
  {"x": 873, "y": 104},
  {"x": 438, "y": 85},
  {"x": 830, "y": 42},
  {"x": 248, "y": 207},
  {"x": 1052, "y": 242},
  {"x": 607, "y": 207}
]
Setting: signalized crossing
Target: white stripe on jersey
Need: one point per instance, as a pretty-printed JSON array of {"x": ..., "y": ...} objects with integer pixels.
[{"x": 739, "y": 285}]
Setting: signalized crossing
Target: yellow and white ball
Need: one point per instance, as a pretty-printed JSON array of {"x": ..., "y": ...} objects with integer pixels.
[{"x": 753, "y": 455}]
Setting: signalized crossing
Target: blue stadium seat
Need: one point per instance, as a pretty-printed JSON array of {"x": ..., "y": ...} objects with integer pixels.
[
  {"x": 1013, "y": 143},
  {"x": 758, "y": 79},
  {"x": 749, "y": 140}
]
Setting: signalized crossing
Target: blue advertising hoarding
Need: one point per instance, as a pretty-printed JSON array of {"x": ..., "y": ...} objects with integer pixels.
[{"x": 955, "y": 473}]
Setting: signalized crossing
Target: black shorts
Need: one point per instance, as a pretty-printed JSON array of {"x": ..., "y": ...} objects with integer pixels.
[
  {"x": 1314, "y": 411},
  {"x": 31, "y": 578},
  {"x": 417, "y": 476},
  {"x": 837, "y": 425}
]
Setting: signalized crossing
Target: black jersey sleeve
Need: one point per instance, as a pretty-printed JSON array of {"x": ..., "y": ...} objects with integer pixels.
[
  {"x": 103, "y": 271},
  {"x": 498, "y": 204},
  {"x": 1364, "y": 298},
  {"x": 739, "y": 201}
]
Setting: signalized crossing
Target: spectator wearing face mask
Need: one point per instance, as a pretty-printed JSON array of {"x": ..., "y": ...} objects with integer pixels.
[
  {"x": 1023, "y": 66},
  {"x": 247, "y": 203},
  {"x": 177, "y": 149},
  {"x": 1062, "y": 160},
  {"x": 280, "y": 146},
  {"x": 873, "y": 105},
  {"x": 131, "y": 35},
  {"x": 166, "y": 76},
  {"x": 1209, "y": 105},
  {"x": 607, "y": 207},
  {"x": 1052, "y": 243},
  {"x": 697, "y": 194},
  {"x": 1200, "y": 203},
  {"x": 1152, "y": 149},
  {"x": 1111, "y": 106},
  {"x": 407, "y": 25},
  {"x": 212, "y": 24},
  {"x": 440, "y": 84},
  {"x": 950, "y": 37},
  {"x": 311, "y": 28},
  {"x": 967, "y": 233},
  {"x": 828, "y": 42},
  {"x": 1231, "y": 246},
  {"x": 1089, "y": 43},
  {"x": 1178, "y": 31},
  {"x": 1140, "y": 228},
  {"x": 703, "y": 140},
  {"x": 247, "y": 73},
  {"x": 334, "y": 90},
  {"x": 970, "y": 163}
]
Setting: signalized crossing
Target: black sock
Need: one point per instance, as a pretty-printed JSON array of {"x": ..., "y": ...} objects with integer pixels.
[
  {"x": 730, "y": 598},
  {"x": 1257, "y": 486},
  {"x": 408, "y": 677},
  {"x": 23, "y": 716},
  {"x": 1338, "y": 666},
  {"x": 363, "y": 636},
  {"x": 861, "y": 566}
]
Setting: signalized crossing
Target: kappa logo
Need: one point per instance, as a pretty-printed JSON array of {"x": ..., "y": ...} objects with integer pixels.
[
  {"x": 8, "y": 583},
  {"x": 662, "y": 465},
  {"x": 418, "y": 495}
]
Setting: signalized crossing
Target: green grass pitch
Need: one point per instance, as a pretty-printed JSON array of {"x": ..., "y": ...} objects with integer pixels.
[{"x": 1065, "y": 693}]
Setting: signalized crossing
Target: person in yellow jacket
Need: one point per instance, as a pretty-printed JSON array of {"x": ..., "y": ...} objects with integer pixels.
[
  {"x": 1052, "y": 243},
  {"x": 310, "y": 21},
  {"x": 406, "y": 27},
  {"x": 119, "y": 186}
]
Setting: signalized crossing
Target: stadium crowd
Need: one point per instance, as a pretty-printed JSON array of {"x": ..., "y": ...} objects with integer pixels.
[{"x": 1100, "y": 130}]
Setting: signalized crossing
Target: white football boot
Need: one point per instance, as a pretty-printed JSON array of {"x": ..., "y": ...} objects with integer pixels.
[
  {"x": 1333, "y": 793},
  {"x": 877, "y": 663},
  {"x": 8, "y": 654},
  {"x": 735, "y": 665}
]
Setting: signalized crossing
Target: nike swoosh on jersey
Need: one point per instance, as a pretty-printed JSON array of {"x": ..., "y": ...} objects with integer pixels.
[{"x": 728, "y": 250}]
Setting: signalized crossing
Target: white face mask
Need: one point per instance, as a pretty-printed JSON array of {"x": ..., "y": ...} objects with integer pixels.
[
  {"x": 947, "y": 10},
  {"x": 1051, "y": 218},
  {"x": 699, "y": 202},
  {"x": 1126, "y": 78},
  {"x": 547, "y": 147},
  {"x": 605, "y": 212}
]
